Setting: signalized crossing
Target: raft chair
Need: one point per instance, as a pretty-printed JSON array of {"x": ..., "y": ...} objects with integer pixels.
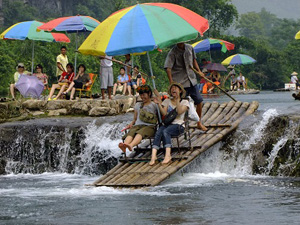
[
  {"x": 186, "y": 134},
  {"x": 87, "y": 89}
]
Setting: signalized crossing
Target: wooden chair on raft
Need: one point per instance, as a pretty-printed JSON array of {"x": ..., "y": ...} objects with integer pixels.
[{"x": 186, "y": 134}]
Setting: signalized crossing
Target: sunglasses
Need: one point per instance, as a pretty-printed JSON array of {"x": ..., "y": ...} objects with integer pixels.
[{"x": 20, "y": 66}]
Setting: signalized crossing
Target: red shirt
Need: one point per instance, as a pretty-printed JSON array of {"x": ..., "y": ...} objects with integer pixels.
[{"x": 67, "y": 76}]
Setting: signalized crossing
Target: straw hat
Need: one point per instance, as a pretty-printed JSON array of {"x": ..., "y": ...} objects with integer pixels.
[
  {"x": 180, "y": 87},
  {"x": 230, "y": 67},
  {"x": 294, "y": 74},
  {"x": 204, "y": 70},
  {"x": 20, "y": 65}
]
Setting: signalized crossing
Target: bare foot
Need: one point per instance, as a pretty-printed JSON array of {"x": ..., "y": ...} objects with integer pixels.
[
  {"x": 201, "y": 126},
  {"x": 152, "y": 162},
  {"x": 166, "y": 160},
  {"x": 122, "y": 147},
  {"x": 128, "y": 146}
]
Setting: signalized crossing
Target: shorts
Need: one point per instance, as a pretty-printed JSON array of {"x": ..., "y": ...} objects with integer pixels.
[
  {"x": 106, "y": 77},
  {"x": 145, "y": 130},
  {"x": 193, "y": 91},
  {"x": 131, "y": 83},
  {"x": 78, "y": 84}
]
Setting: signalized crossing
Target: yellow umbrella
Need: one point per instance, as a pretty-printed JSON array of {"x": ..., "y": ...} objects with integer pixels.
[{"x": 297, "y": 35}]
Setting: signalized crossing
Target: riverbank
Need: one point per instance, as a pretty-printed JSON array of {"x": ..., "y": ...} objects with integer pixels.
[{"x": 28, "y": 109}]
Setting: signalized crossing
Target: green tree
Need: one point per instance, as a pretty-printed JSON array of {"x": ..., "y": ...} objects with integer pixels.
[
  {"x": 251, "y": 26},
  {"x": 17, "y": 11}
]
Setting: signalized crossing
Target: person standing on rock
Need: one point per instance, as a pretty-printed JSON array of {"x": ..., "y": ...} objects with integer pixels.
[
  {"x": 178, "y": 65},
  {"x": 106, "y": 75},
  {"x": 61, "y": 62}
]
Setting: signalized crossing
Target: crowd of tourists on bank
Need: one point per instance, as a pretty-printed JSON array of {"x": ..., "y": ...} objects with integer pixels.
[{"x": 66, "y": 81}]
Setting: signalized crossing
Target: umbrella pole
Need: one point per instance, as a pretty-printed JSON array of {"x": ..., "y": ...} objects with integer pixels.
[
  {"x": 208, "y": 80},
  {"x": 154, "y": 86},
  {"x": 75, "y": 54},
  {"x": 32, "y": 57}
]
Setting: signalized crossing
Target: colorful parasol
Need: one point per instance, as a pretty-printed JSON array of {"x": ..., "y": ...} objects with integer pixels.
[
  {"x": 28, "y": 30},
  {"x": 238, "y": 59},
  {"x": 297, "y": 35},
  {"x": 144, "y": 27},
  {"x": 71, "y": 24},
  {"x": 212, "y": 44}
]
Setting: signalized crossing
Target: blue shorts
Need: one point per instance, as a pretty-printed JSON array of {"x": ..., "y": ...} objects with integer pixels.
[
  {"x": 131, "y": 83},
  {"x": 193, "y": 91}
]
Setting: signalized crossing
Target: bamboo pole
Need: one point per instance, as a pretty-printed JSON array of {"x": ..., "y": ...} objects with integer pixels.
[
  {"x": 208, "y": 80},
  {"x": 212, "y": 109},
  {"x": 215, "y": 114},
  {"x": 116, "y": 168}
]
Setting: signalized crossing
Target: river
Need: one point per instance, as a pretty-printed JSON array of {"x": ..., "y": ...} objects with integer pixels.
[{"x": 210, "y": 191}]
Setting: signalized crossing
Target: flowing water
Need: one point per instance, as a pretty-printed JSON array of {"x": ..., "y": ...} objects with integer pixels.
[{"x": 218, "y": 188}]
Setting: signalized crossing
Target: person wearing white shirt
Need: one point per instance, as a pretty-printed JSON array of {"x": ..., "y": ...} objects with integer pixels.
[
  {"x": 241, "y": 81},
  {"x": 294, "y": 79}
]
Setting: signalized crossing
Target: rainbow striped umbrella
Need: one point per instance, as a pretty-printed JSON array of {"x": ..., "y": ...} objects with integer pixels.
[
  {"x": 297, "y": 35},
  {"x": 71, "y": 24},
  {"x": 238, "y": 59},
  {"x": 212, "y": 44},
  {"x": 144, "y": 27},
  {"x": 28, "y": 30}
]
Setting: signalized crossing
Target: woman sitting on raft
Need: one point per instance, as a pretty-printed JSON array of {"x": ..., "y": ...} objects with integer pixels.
[
  {"x": 164, "y": 133},
  {"x": 82, "y": 79},
  {"x": 65, "y": 79},
  {"x": 144, "y": 120}
]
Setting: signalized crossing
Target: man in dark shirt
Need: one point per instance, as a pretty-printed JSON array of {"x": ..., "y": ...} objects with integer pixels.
[{"x": 178, "y": 65}]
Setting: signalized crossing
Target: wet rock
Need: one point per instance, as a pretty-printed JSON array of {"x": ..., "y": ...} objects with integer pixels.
[
  {"x": 37, "y": 113},
  {"x": 126, "y": 104},
  {"x": 2, "y": 166},
  {"x": 58, "y": 104},
  {"x": 34, "y": 104},
  {"x": 129, "y": 110},
  {"x": 112, "y": 112},
  {"x": 58, "y": 112},
  {"x": 80, "y": 108},
  {"x": 99, "y": 111}
]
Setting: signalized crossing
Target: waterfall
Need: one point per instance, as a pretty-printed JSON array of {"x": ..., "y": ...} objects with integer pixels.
[
  {"x": 266, "y": 143},
  {"x": 90, "y": 150},
  {"x": 99, "y": 147},
  {"x": 235, "y": 155}
]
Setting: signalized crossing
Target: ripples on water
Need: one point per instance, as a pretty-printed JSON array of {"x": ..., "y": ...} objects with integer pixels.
[{"x": 214, "y": 189}]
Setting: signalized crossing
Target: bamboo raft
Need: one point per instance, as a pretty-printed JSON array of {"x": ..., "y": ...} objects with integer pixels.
[{"x": 135, "y": 172}]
